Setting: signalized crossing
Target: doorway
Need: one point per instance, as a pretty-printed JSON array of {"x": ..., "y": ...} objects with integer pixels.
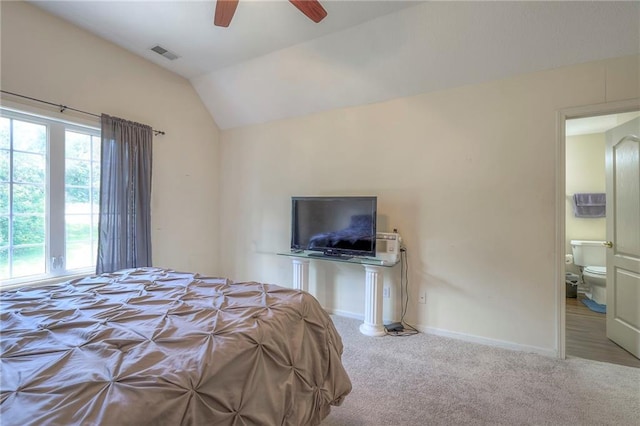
[{"x": 581, "y": 168}]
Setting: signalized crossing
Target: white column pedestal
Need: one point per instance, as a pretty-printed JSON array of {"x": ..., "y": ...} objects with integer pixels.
[
  {"x": 372, "y": 325},
  {"x": 300, "y": 274}
]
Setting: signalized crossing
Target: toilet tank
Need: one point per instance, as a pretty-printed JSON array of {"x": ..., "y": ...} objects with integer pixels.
[{"x": 589, "y": 253}]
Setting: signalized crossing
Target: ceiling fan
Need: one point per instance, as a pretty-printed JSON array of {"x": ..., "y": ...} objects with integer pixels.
[{"x": 226, "y": 8}]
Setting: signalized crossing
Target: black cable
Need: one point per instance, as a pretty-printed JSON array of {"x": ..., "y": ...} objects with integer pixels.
[
  {"x": 403, "y": 279},
  {"x": 408, "y": 329}
]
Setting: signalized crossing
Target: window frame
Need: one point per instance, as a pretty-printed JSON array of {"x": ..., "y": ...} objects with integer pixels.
[{"x": 55, "y": 235}]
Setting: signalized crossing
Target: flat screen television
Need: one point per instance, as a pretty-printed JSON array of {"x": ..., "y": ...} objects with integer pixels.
[{"x": 334, "y": 226}]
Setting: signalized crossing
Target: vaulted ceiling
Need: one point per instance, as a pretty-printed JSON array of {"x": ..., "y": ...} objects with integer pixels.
[{"x": 272, "y": 62}]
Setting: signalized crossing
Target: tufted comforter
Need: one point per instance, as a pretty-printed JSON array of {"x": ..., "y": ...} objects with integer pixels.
[{"x": 158, "y": 347}]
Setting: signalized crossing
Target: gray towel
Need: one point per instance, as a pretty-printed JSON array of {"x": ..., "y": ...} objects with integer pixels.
[{"x": 589, "y": 205}]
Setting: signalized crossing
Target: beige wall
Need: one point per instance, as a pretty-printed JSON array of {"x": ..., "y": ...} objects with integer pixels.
[
  {"x": 585, "y": 172},
  {"x": 47, "y": 58},
  {"x": 467, "y": 176}
]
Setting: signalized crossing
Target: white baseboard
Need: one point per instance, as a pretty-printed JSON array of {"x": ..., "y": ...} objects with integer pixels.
[
  {"x": 352, "y": 315},
  {"x": 345, "y": 314},
  {"x": 461, "y": 336},
  {"x": 487, "y": 341}
]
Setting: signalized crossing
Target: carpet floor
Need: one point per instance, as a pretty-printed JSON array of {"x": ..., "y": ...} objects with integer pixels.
[{"x": 431, "y": 380}]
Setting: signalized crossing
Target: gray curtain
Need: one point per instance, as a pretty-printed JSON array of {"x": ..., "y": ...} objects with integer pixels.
[{"x": 124, "y": 229}]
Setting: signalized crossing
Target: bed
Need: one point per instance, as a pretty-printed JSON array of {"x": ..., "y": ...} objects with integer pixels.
[{"x": 153, "y": 346}]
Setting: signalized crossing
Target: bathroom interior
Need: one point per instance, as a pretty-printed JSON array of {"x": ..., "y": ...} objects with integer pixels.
[{"x": 585, "y": 259}]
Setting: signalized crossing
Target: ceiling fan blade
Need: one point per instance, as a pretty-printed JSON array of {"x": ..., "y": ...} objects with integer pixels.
[
  {"x": 224, "y": 12},
  {"x": 312, "y": 8}
]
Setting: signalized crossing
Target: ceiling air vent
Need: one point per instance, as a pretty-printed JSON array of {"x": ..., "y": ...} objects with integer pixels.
[{"x": 164, "y": 52}]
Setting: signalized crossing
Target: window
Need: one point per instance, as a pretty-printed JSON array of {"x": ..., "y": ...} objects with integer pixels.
[{"x": 49, "y": 197}]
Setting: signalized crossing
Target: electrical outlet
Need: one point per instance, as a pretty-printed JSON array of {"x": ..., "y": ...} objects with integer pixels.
[
  {"x": 423, "y": 297},
  {"x": 386, "y": 292}
]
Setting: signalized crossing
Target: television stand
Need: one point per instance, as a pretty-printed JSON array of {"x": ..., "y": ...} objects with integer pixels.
[
  {"x": 330, "y": 256},
  {"x": 373, "y": 268}
]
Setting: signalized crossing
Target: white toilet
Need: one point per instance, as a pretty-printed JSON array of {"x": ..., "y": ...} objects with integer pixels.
[{"x": 591, "y": 256}]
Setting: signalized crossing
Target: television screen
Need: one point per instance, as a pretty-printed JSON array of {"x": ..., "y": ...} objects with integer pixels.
[{"x": 334, "y": 226}]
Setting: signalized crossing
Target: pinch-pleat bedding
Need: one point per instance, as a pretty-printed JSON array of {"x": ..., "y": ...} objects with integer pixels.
[{"x": 159, "y": 347}]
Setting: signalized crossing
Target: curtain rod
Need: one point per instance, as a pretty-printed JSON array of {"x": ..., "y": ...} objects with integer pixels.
[{"x": 63, "y": 108}]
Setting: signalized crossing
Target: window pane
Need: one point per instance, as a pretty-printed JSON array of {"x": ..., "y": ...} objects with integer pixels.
[
  {"x": 29, "y": 137},
  {"x": 78, "y": 228},
  {"x": 28, "y": 261},
  {"x": 77, "y": 172},
  {"x": 95, "y": 194},
  {"x": 95, "y": 174},
  {"x": 4, "y": 165},
  {"x": 28, "y": 229},
  {"x": 4, "y": 133},
  {"x": 4, "y": 231},
  {"x": 77, "y": 201},
  {"x": 80, "y": 255},
  {"x": 29, "y": 168},
  {"x": 94, "y": 226},
  {"x": 28, "y": 198},
  {"x": 4, "y": 198},
  {"x": 4, "y": 263},
  {"x": 82, "y": 178},
  {"x": 95, "y": 153},
  {"x": 77, "y": 145}
]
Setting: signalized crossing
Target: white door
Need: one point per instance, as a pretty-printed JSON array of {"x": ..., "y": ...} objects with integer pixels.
[{"x": 623, "y": 235}]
